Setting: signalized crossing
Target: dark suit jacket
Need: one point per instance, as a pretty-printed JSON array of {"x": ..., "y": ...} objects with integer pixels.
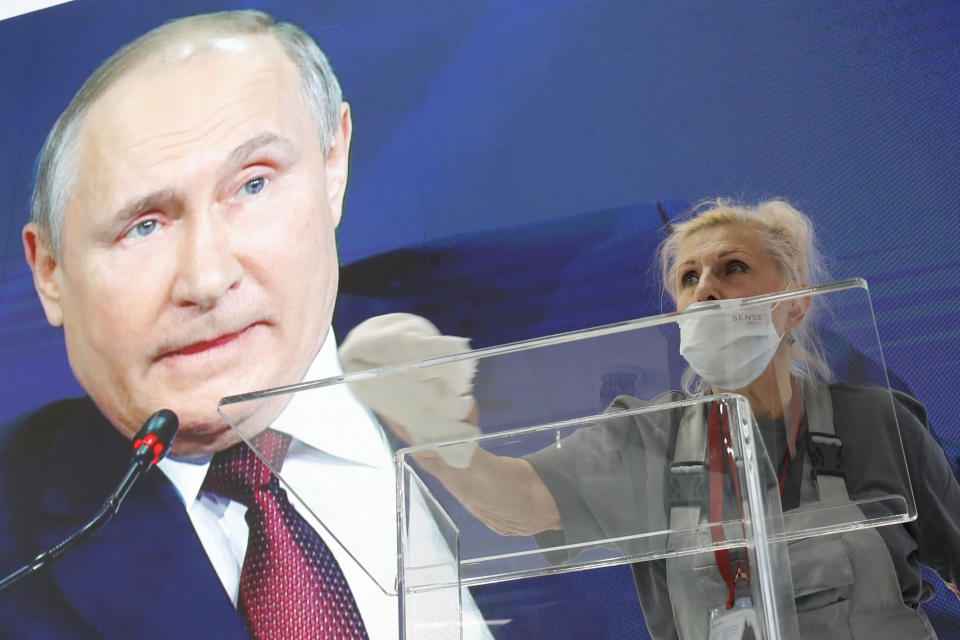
[{"x": 145, "y": 575}]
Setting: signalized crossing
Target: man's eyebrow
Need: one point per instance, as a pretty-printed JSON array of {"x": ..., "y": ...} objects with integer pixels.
[
  {"x": 241, "y": 153},
  {"x": 150, "y": 201},
  {"x": 238, "y": 156}
]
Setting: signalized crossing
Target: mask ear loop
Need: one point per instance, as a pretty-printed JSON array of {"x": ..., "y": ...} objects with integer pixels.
[{"x": 789, "y": 337}]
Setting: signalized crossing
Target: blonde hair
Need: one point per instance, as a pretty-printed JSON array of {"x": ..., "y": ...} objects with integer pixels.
[
  {"x": 56, "y": 164},
  {"x": 788, "y": 238}
]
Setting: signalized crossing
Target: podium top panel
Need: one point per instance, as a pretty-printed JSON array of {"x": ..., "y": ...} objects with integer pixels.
[{"x": 601, "y": 446}]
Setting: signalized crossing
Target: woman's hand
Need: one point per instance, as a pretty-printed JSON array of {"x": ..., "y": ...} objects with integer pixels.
[
  {"x": 435, "y": 404},
  {"x": 421, "y": 404}
]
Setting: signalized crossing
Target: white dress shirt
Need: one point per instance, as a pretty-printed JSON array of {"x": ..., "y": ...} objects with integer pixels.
[{"x": 340, "y": 472}]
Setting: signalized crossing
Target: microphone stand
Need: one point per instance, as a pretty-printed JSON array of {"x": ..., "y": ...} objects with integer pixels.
[{"x": 150, "y": 445}]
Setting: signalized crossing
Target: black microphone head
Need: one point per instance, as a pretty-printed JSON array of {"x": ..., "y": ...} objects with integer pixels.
[{"x": 155, "y": 436}]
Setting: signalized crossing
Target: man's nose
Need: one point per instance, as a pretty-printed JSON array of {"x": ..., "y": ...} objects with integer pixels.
[{"x": 208, "y": 266}]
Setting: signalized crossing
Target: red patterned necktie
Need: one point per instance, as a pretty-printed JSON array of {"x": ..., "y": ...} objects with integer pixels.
[{"x": 291, "y": 587}]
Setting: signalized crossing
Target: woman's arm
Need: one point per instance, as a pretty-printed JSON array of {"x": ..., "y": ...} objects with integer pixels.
[
  {"x": 937, "y": 495},
  {"x": 504, "y": 493},
  {"x": 434, "y": 404}
]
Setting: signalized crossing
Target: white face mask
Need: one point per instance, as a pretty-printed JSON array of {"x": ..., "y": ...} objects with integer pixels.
[{"x": 729, "y": 349}]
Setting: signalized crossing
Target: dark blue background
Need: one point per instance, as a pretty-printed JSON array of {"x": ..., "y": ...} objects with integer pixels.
[{"x": 508, "y": 154}]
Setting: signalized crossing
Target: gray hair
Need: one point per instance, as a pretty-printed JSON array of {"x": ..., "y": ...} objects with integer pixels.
[
  {"x": 788, "y": 238},
  {"x": 56, "y": 165}
]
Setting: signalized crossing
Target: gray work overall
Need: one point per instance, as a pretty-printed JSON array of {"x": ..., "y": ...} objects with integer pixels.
[{"x": 844, "y": 584}]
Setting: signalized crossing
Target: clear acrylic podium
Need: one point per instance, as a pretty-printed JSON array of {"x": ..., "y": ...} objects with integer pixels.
[{"x": 629, "y": 462}]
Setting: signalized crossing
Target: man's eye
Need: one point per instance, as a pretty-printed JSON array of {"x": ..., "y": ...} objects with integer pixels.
[
  {"x": 143, "y": 229},
  {"x": 255, "y": 186}
]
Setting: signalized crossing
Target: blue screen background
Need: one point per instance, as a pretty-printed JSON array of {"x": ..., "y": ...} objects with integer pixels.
[{"x": 508, "y": 156}]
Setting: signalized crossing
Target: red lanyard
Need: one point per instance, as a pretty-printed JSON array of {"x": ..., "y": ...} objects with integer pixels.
[
  {"x": 796, "y": 417},
  {"x": 719, "y": 441}
]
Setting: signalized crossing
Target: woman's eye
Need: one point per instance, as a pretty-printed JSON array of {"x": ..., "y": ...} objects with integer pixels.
[
  {"x": 143, "y": 229},
  {"x": 735, "y": 266},
  {"x": 689, "y": 278},
  {"x": 255, "y": 186}
]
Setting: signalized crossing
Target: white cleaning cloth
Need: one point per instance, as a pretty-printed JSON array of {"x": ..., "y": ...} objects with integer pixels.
[{"x": 430, "y": 402}]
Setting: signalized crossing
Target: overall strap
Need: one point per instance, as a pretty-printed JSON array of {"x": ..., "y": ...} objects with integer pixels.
[
  {"x": 824, "y": 460},
  {"x": 688, "y": 480}
]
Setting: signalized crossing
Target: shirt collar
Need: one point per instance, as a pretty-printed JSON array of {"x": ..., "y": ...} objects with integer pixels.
[{"x": 328, "y": 418}]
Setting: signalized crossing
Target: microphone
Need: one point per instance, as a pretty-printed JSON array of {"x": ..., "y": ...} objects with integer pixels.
[
  {"x": 150, "y": 445},
  {"x": 153, "y": 440}
]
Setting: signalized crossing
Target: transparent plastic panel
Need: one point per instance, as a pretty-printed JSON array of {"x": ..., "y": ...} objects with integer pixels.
[
  {"x": 429, "y": 584},
  {"x": 613, "y": 484},
  {"x": 622, "y": 500},
  {"x": 593, "y": 449}
]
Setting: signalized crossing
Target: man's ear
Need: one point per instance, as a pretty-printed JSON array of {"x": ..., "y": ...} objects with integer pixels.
[
  {"x": 338, "y": 163},
  {"x": 46, "y": 271}
]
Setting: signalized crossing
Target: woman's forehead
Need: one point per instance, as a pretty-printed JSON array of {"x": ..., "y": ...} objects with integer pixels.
[{"x": 715, "y": 241}]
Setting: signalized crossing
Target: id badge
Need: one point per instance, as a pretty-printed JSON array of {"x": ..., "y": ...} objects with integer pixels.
[{"x": 738, "y": 623}]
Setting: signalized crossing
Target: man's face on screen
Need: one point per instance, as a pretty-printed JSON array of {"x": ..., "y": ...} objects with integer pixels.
[{"x": 199, "y": 255}]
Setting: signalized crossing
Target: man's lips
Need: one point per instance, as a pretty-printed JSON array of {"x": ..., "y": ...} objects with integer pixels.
[{"x": 206, "y": 345}]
